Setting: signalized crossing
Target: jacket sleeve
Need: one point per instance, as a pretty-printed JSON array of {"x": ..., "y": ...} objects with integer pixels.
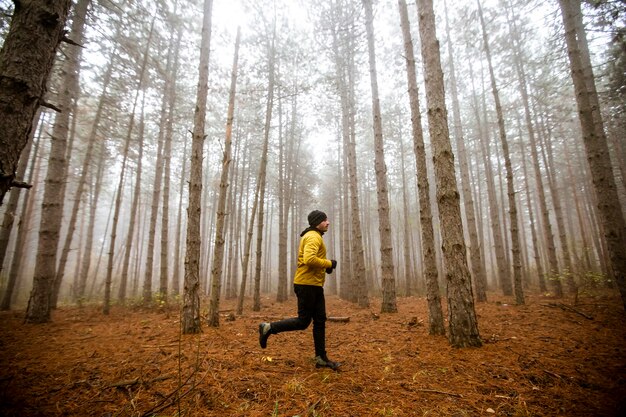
[{"x": 310, "y": 258}]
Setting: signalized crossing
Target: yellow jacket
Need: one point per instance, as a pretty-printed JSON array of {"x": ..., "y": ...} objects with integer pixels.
[{"x": 312, "y": 262}]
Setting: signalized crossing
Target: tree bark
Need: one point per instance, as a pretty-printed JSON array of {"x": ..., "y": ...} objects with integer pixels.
[
  {"x": 191, "y": 298},
  {"x": 461, "y": 315},
  {"x": 353, "y": 275},
  {"x": 25, "y": 213},
  {"x": 120, "y": 188},
  {"x": 596, "y": 147},
  {"x": 42, "y": 297},
  {"x": 430, "y": 270},
  {"x": 262, "y": 178},
  {"x": 553, "y": 273},
  {"x": 533, "y": 229},
  {"x": 389, "y": 304},
  {"x": 172, "y": 76},
  {"x": 179, "y": 223},
  {"x": 514, "y": 225},
  {"x": 476, "y": 261},
  {"x": 134, "y": 208},
  {"x": 218, "y": 254},
  {"x": 10, "y": 210},
  {"x": 26, "y": 59},
  {"x": 67, "y": 101}
]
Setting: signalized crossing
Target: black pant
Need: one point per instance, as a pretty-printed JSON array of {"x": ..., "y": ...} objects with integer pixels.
[{"x": 311, "y": 306}]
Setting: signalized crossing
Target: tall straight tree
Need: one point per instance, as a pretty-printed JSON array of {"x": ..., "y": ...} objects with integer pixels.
[
  {"x": 218, "y": 250},
  {"x": 384, "y": 226},
  {"x": 97, "y": 147},
  {"x": 26, "y": 58},
  {"x": 262, "y": 182},
  {"x": 134, "y": 208},
  {"x": 179, "y": 223},
  {"x": 246, "y": 251},
  {"x": 158, "y": 176},
  {"x": 435, "y": 313},
  {"x": 10, "y": 212},
  {"x": 476, "y": 261},
  {"x": 25, "y": 215},
  {"x": 120, "y": 188},
  {"x": 343, "y": 51},
  {"x": 409, "y": 276},
  {"x": 67, "y": 100},
  {"x": 191, "y": 298},
  {"x": 461, "y": 314},
  {"x": 515, "y": 245},
  {"x": 43, "y": 294},
  {"x": 172, "y": 76},
  {"x": 553, "y": 273},
  {"x": 596, "y": 144},
  {"x": 531, "y": 217}
]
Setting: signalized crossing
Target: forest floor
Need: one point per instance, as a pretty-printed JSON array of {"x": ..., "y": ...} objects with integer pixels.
[{"x": 546, "y": 358}]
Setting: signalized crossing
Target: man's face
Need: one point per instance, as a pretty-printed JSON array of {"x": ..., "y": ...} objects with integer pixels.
[{"x": 323, "y": 226}]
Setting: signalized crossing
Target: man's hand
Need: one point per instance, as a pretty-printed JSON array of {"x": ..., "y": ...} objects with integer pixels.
[{"x": 333, "y": 266}]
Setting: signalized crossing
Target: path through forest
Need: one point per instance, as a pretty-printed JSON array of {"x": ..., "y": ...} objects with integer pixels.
[{"x": 541, "y": 359}]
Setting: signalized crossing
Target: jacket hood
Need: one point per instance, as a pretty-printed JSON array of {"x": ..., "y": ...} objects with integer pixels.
[{"x": 308, "y": 229}]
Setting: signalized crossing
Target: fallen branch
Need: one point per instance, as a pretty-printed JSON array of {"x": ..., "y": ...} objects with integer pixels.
[
  {"x": 135, "y": 381},
  {"x": 124, "y": 383},
  {"x": 553, "y": 374},
  {"x": 434, "y": 391},
  {"x": 169, "y": 401},
  {"x": 160, "y": 346},
  {"x": 565, "y": 307},
  {"x": 339, "y": 319}
]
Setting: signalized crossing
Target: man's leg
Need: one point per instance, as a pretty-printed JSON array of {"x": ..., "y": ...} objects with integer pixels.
[
  {"x": 319, "y": 333},
  {"x": 306, "y": 303},
  {"x": 319, "y": 322}
]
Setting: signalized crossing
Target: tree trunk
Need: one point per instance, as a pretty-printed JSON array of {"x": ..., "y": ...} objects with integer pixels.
[
  {"x": 384, "y": 227},
  {"x": 42, "y": 297},
  {"x": 120, "y": 189},
  {"x": 548, "y": 161},
  {"x": 170, "y": 89},
  {"x": 97, "y": 178},
  {"x": 10, "y": 211},
  {"x": 430, "y": 270},
  {"x": 218, "y": 254},
  {"x": 286, "y": 190},
  {"x": 477, "y": 264},
  {"x": 158, "y": 181},
  {"x": 246, "y": 252},
  {"x": 179, "y": 223},
  {"x": 281, "y": 291},
  {"x": 533, "y": 229},
  {"x": 409, "y": 286},
  {"x": 553, "y": 274},
  {"x": 25, "y": 213},
  {"x": 461, "y": 314},
  {"x": 514, "y": 225},
  {"x": 262, "y": 182},
  {"x": 134, "y": 208},
  {"x": 191, "y": 298},
  {"x": 26, "y": 58},
  {"x": 231, "y": 258},
  {"x": 343, "y": 58},
  {"x": 596, "y": 146},
  {"x": 67, "y": 101}
]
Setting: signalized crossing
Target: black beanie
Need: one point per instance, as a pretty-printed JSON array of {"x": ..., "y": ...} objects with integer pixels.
[{"x": 316, "y": 217}]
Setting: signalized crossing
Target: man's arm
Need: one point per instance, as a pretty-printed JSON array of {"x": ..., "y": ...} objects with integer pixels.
[{"x": 310, "y": 258}]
